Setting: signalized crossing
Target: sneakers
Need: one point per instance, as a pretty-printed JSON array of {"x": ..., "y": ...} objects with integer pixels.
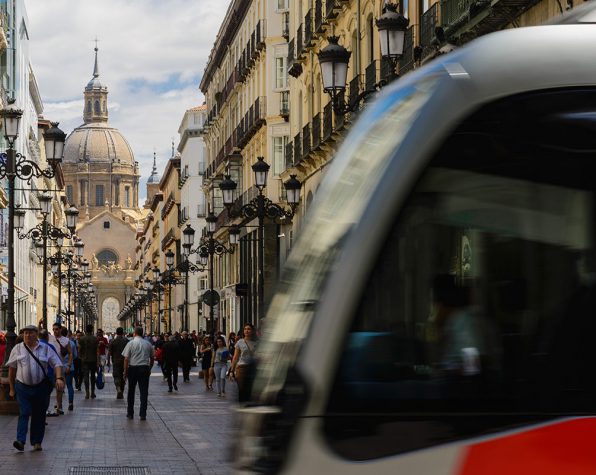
[
  {"x": 52, "y": 414},
  {"x": 86, "y": 395},
  {"x": 70, "y": 407},
  {"x": 58, "y": 410},
  {"x": 20, "y": 446},
  {"x": 129, "y": 416},
  {"x": 169, "y": 390},
  {"x": 37, "y": 448},
  {"x": 218, "y": 394},
  {"x": 93, "y": 396},
  {"x": 175, "y": 387},
  {"x": 120, "y": 395},
  {"x": 143, "y": 418}
]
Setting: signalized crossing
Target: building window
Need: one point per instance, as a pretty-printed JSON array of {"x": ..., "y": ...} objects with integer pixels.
[
  {"x": 69, "y": 196},
  {"x": 279, "y": 159},
  {"x": 117, "y": 193},
  {"x": 89, "y": 107},
  {"x": 127, "y": 196},
  {"x": 97, "y": 111},
  {"x": 99, "y": 198},
  {"x": 282, "y": 4},
  {"x": 281, "y": 73},
  {"x": 106, "y": 225},
  {"x": 107, "y": 258},
  {"x": 83, "y": 191}
]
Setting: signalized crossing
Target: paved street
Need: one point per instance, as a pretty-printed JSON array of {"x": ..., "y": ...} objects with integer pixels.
[{"x": 185, "y": 432}]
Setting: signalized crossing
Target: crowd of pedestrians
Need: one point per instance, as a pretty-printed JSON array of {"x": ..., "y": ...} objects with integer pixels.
[{"x": 64, "y": 361}]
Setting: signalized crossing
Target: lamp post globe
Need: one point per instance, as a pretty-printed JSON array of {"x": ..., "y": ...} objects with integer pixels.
[
  {"x": 260, "y": 169},
  {"x": 45, "y": 203},
  {"x": 54, "y": 139},
  {"x": 211, "y": 222},
  {"x": 19, "y": 218},
  {"x": 228, "y": 189},
  {"x": 79, "y": 248},
  {"x": 11, "y": 119},
  {"x": 334, "y": 59},
  {"x": 169, "y": 259},
  {"x": 72, "y": 216},
  {"x": 188, "y": 236},
  {"x": 234, "y": 233},
  {"x": 156, "y": 273},
  {"x": 392, "y": 27},
  {"x": 293, "y": 187}
]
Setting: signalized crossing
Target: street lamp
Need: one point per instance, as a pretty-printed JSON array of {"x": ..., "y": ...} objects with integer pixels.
[
  {"x": 41, "y": 233},
  {"x": 392, "y": 27},
  {"x": 13, "y": 165},
  {"x": 260, "y": 207},
  {"x": 157, "y": 286},
  {"x": 334, "y": 60},
  {"x": 169, "y": 279}
]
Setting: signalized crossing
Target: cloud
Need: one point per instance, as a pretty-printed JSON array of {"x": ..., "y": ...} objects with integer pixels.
[{"x": 152, "y": 54}]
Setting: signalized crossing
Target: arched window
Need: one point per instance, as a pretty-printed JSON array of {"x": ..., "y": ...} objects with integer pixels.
[
  {"x": 97, "y": 111},
  {"x": 107, "y": 257},
  {"x": 89, "y": 106}
]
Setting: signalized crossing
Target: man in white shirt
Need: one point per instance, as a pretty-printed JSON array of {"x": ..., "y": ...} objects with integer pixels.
[
  {"x": 27, "y": 373},
  {"x": 139, "y": 356}
]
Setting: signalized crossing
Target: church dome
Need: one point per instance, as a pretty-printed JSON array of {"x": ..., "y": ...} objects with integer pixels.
[{"x": 97, "y": 142}]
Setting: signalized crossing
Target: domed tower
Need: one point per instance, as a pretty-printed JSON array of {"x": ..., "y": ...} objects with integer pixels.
[
  {"x": 99, "y": 166},
  {"x": 102, "y": 181}
]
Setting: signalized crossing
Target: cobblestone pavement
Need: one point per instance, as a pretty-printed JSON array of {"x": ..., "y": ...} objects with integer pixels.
[{"x": 186, "y": 432}]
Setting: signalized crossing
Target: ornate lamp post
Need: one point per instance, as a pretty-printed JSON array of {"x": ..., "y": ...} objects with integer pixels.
[
  {"x": 259, "y": 207},
  {"x": 157, "y": 286},
  {"x": 334, "y": 59},
  {"x": 13, "y": 165},
  {"x": 43, "y": 232}
]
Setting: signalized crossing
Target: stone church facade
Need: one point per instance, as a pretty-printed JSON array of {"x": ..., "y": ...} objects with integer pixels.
[{"x": 102, "y": 181}]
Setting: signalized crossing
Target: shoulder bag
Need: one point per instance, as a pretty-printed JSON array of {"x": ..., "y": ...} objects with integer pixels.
[{"x": 45, "y": 374}]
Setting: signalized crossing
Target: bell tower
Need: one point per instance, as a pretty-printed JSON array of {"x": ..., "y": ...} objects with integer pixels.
[{"x": 96, "y": 98}]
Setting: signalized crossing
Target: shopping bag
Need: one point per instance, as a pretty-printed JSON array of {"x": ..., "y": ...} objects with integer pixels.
[{"x": 100, "y": 381}]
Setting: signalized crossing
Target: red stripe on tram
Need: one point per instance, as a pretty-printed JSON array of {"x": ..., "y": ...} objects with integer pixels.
[{"x": 565, "y": 448}]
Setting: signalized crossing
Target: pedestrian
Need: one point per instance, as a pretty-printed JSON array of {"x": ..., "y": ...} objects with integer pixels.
[
  {"x": 62, "y": 346},
  {"x": 69, "y": 376},
  {"x": 231, "y": 343},
  {"x": 44, "y": 340},
  {"x": 102, "y": 348},
  {"x": 170, "y": 360},
  {"x": 90, "y": 360},
  {"x": 78, "y": 365},
  {"x": 243, "y": 363},
  {"x": 115, "y": 350},
  {"x": 187, "y": 352},
  {"x": 220, "y": 365},
  {"x": 28, "y": 364},
  {"x": 138, "y": 361},
  {"x": 206, "y": 357}
]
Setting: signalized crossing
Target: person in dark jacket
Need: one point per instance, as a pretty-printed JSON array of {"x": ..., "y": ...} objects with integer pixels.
[
  {"x": 89, "y": 359},
  {"x": 170, "y": 359},
  {"x": 115, "y": 349},
  {"x": 187, "y": 352}
]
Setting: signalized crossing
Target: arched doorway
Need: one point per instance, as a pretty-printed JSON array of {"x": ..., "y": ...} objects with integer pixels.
[{"x": 109, "y": 313}]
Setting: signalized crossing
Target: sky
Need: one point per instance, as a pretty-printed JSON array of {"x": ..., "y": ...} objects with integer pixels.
[{"x": 152, "y": 54}]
